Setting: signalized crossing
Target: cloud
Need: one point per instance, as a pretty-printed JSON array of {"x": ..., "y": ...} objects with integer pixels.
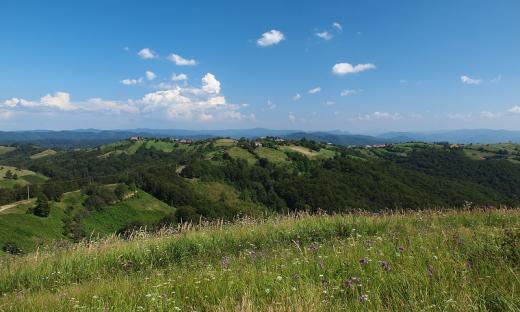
[
  {"x": 379, "y": 116},
  {"x": 314, "y": 90},
  {"x": 270, "y": 38},
  {"x": 147, "y": 54},
  {"x": 60, "y": 100},
  {"x": 470, "y": 81},
  {"x": 337, "y": 26},
  {"x": 130, "y": 82},
  {"x": 189, "y": 103},
  {"x": 210, "y": 84},
  {"x": 330, "y": 103},
  {"x": 97, "y": 104},
  {"x": 296, "y": 97},
  {"x": 341, "y": 69},
  {"x": 348, "y": 92},
  {"x": 16, "y": 102},
  {"x": 180, "y": 61},
  {"x": 150, "y": 75},
  {"x": 179, "y": 77},
  {"x": 325, "y": 35},
  {"x": 514, "y": 110}
]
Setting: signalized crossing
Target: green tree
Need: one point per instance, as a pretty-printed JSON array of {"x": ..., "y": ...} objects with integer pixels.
[{"x": 42, "y": 208}]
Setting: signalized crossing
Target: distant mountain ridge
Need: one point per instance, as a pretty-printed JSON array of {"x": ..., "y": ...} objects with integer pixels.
[{"x": 95, "y": 137}]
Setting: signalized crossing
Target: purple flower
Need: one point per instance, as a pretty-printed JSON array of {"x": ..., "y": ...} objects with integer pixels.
[
  {"x": 225, "y": 262},
  {"x": 430, "y": 270},
  {"x": 363, "y": 261},
  {"x": 401, "y": 249},
  {"x": 351, "y": 282},
  {"x": 313, "y": 247},
  {"x": 385, "y": 266}
]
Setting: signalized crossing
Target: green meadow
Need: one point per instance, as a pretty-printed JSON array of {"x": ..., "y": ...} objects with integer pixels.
[{"x": 420, "y": 261}]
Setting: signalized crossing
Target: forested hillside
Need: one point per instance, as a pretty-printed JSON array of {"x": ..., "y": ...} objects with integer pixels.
[{"x": 227, "y": 178}]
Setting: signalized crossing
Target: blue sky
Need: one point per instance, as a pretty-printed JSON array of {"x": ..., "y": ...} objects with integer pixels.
[{"x": 360, "y": 66}]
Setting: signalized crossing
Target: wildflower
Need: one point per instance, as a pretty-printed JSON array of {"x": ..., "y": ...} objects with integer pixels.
[
  {"x": 385, "y": 266},
  {"x": 363, "y": 298},
  {"x": 279, "y": 278},
  {"x": 225, "y": 262},
  {"x": 363, "y": 261},
  {"x": 267, "y": 290},
  {"x": 401, "y": 249},
  {"x": 430, "y": 270},
  {"x": 351, "y": 282},
  {"x": 321, "y": 265},
  {"x": 313, "y": 247}
]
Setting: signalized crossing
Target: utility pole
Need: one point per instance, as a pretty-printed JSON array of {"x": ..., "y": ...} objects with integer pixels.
[{"x": 28, "y": 193}]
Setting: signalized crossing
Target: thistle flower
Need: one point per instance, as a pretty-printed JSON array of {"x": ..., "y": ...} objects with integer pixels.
[
  {"x": 401, "y": 249},
  {"x": 363, "y": 261},
  {"x": 430, "y": 270},
  {"x": 385, "y": 266},
  {"x": 313, "y": 247},
  {"x": 225, "y": 262}
]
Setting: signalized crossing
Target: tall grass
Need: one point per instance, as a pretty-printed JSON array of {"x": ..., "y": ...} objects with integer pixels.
[{"x": 453, "y": 261}]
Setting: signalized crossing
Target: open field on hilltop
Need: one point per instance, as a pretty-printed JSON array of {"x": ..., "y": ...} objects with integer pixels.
[
  {"x": 435, "y": 261},
  {"x": 272, "y": 154},
  {"x": 44, "y": 153},
  {"x": 322, "y": 153},
  {"x": 6, "y": 149},
  {"x": 240, "y": 153},
  {"x": 24, "y": 177}
]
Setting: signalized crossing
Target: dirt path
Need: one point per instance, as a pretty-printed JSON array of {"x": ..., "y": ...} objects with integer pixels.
[{"x": 9, "y": 206}]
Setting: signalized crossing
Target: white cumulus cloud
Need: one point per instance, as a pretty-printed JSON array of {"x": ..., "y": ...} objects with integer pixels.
[
  {"x": 296, "y": 97},
  {"x": 348, "y": 92},
  {"x": 59, "y": 100},
  {"x": 337, "y": 26},
  {"x": 179, "y": 77},
  {"x": 270, "y": 38},
  {"x": 470, "y": 81},
  {"x": 150, "y": 75},
  {"x": 147, "y": 54},
  {"x": 514, "y": 110},
  {"x": 325, "y": 35},
  {"x": 130, "y": 81},
  {"x": 314, "y": 90},
  {"x": 346, "y": 68},
  {"x": 180, "y": 61},
  {"x": 190, "y": 103}
]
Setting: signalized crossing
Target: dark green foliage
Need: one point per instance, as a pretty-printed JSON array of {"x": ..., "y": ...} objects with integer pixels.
[
  {"x": 98, "y": 197},
  {"x": 12, "y": 249},
  {"x": 121, "y": 190},
  {"x": 42, "y": 208}
]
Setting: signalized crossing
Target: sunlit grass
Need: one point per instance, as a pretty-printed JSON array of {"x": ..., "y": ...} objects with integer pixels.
[{"x": 450, "y": 261}]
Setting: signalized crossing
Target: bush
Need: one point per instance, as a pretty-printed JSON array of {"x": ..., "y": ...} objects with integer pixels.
[
  {"x": 12, "y": 249},
  {"x": 187, "y": 214},
  {"x": 121, "y": 191}
]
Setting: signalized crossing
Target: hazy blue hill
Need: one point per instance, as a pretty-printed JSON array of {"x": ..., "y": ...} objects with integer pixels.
[{"x": 465, "y": 136}]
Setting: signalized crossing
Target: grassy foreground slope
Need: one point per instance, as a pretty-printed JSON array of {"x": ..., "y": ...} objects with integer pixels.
[{"x": 451, "y": 261}]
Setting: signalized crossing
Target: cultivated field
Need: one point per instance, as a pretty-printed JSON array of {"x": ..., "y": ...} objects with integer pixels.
[{"x": 424, "y": 261}]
